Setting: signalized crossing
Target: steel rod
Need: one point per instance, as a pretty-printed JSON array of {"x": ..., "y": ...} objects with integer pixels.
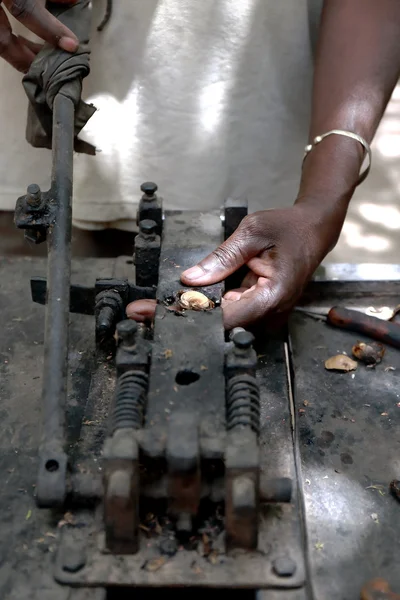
[{"x": 52, "y": 485}]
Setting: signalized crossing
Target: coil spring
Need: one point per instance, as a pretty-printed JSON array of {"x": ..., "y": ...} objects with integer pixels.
[
  {"x": 243, "y": 403},
  {"x": 129, "y": 400}
]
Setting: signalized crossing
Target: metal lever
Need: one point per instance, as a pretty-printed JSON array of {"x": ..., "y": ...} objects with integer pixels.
[{"x": 52, "y": 477}]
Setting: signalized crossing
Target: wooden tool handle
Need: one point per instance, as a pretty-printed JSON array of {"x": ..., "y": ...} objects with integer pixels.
[
  {"x": 378, "y": 589},
  {"x": 382, "y": 331}
]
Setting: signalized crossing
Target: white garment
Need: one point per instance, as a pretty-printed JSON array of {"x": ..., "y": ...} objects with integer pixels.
[{"x": 209, "y": 98}]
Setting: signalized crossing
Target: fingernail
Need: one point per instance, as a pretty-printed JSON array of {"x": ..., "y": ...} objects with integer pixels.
[
  {"x": 68, "y": 44},
  {"x": 194, "y": 273}
]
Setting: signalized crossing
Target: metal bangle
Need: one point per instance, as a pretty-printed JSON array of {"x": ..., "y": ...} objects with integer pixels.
[{"x": 350, "y": 134}]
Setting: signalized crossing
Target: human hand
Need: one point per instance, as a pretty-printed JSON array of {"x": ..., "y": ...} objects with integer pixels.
[
  {"x": 20, "y": 52},
  {"x": 281, "y": 248}
]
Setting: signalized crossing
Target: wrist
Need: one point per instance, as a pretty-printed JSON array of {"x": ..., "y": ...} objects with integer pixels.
[
  {"x": 331, "y": 171},
  {"x": 323, "y": 217}
]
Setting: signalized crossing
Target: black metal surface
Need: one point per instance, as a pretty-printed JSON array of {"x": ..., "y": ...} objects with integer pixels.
[
  {"x": 151, "y": 206},
  {"x": 235, "y": 210},
  {"x": 199, "y": 347},
  {"x": 348, "y": 426},
  {"x": 147, "y": 254}
]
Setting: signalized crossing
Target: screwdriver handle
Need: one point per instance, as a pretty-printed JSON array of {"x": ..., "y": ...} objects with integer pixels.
[{"x": 352, "y": 320}]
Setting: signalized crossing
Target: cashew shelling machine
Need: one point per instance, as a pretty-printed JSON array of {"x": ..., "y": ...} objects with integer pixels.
[{"x": 176, "y": 454}]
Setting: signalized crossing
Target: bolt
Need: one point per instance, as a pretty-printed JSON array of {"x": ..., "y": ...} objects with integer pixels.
[
  {"x": 119, "y": 486},
  {"x": 168, "y": 546},
  {"x": 126, "y": 331},
  {"x": 284, "y": 566},
  {"x": 105, "y": 320},
  {"x": 149, "y": 189},
  {"x": 75, "y": 561},
  {"x": 148, "y": 227},
  {"x": 243, "y": 339},
  {"x": 33, "y": 195},
  {"x": 243, "y": 493},
  {"x": 184, "y": 523}
]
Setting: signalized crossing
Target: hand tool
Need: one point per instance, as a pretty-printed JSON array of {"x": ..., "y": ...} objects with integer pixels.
[
  {"x": 355, "y": 319},
  {"x": 378, "y": 589}
]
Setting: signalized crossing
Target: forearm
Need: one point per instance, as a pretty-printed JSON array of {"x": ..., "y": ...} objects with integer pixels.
[{"x": 357, "y": 67}]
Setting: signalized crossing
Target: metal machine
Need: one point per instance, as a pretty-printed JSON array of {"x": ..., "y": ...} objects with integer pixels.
[
  {"x": 175, "y": 454},
  {"x": 183, "y": 435},
  {"x": 190, "y": 461}
]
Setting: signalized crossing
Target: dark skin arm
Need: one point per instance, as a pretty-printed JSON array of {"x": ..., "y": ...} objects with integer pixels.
[
  {"x": 357, "y": 67},
  {"x": 20, "y": 52}
]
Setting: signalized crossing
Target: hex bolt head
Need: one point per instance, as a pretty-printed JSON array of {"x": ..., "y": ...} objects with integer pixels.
[
  {"x": 149, "y": 188},
  {"x": 169, "y": 546},
  {"x": 148, "y": 226},
  {"x": 33, "y": 195},
  {"x": 74, "y": 559},
  {"x": 243, "y": 339},
  {"x": 284, "y": 566},
  {"x": 126, "y": 331}
]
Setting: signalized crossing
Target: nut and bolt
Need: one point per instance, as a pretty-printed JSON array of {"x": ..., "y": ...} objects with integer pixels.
[
  {"x": 126, "y": 331},
  {"x": 148, "y": 228},
  {"x": 169, "y": 546},
  {"x": 74, "y": 558},
  {"x": 242, "y": 339},
  {"x": 33, "y": 195},
  {"x": 149, "y": 190},
  {"x": 284, "y": 566}
]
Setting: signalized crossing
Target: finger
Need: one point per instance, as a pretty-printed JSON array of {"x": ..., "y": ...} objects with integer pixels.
[
  {"x": 233, "y": 295},
  {"x": 38, "y": 20},
  {"x": 141, "y": 310},
  {"x": 250, "y": 279},
  {"x": 223, "y": 261},
  {"x": 11, "y": 49},
  {"x": 253, "y": 305},
  {"x": 33, "y": 46}
]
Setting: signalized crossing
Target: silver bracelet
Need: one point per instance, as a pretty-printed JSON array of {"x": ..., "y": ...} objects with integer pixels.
[{"x": 350, "y": 134}]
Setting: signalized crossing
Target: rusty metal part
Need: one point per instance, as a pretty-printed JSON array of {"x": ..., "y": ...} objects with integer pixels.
[
  {"x": 121, "y": 499},
  {"x": 147, "y": 254},
  {"x": 121, "y": 452},
  {"x": 378, "y": 589},
  {"x": 395, "y": 488},
  {"x": 184, "y": 475},
  {"x": 48, "y": 216},
  {"x": 150, "y": 206},
  {"x": 242, "y": 454}
]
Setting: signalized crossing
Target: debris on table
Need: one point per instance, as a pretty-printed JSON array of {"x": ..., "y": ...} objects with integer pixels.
[
  {"x": 370, "y": 353},
  {"x": 374, "y": 517},
  {"x": 378, "y": 588},
  {"x": 340, "y": 362},
  {"x": 395, "y": 488}
]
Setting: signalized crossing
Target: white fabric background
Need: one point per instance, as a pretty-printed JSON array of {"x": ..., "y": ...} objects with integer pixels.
[{"x": 209, "y": 98}]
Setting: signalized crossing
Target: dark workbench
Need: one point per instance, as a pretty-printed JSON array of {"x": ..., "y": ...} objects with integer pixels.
[{"x": 349, "y": 451}]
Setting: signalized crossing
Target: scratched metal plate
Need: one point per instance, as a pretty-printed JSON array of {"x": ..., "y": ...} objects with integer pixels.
[{"x": 348, "y": 431}]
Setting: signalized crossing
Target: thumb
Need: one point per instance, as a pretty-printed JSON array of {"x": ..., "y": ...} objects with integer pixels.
[{"x": 222, "y": 262}]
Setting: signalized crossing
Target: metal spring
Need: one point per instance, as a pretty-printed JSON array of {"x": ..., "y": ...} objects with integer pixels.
[
  {"x": 129, "y": 400},
  {"x": 243, "y": 403}
]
